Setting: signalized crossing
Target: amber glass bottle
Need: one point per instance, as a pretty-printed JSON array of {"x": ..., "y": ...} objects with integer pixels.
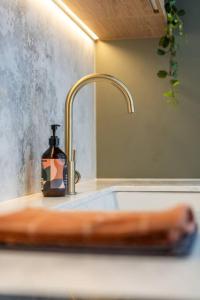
[{"x": 54, "y": 168}]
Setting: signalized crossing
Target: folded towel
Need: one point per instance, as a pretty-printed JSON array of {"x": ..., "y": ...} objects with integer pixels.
[{"x": 41, "y": 227}]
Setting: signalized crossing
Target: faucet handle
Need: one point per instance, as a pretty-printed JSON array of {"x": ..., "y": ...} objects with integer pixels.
[
  {"x": 74, "y": 155},
  {"x": 77, "y": 176},
  {"x": 77, "y": 173}
]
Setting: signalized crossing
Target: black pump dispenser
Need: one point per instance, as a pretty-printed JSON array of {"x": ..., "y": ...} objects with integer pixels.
[
  {"x": 54, "y": 140},
  {"x": 54, "y": 168}
]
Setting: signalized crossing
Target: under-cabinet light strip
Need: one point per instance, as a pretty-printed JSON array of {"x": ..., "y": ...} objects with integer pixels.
[
  {"x": 154, "y": 6},
  {"x": 75, "y": 19}
]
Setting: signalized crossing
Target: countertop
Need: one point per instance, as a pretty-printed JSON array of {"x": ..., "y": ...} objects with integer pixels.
[
  {"x": 90, "y": 189},
  {"x": 61, "y": 275}
]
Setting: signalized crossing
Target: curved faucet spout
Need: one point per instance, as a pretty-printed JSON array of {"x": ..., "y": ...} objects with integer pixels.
[{"x": 69, "y": 113}]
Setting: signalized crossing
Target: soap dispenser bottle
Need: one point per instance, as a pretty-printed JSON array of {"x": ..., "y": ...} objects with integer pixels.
[{"x": 54, "y": 168}]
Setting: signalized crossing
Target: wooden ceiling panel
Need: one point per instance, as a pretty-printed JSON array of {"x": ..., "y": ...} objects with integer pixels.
[{"x": 120, "y": 19}]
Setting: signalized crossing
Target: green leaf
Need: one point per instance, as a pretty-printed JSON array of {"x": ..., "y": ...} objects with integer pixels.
[
  {"x": 161, "y": 52},
  {"x": 167, "y": 7},
  {"x": 169, "y": 94},
  {"x": 174, "y": 65},
  {"x": 175, "y": 82},
  {"x": 174, "y": 8},
  {"x": 172, "y": 2},
  {"x": 175, "y": 22},
  {"x": 181, "y": 12},
  {"x": 170, "y": 18},
  {"x": 164, "y": 42},
  {"x": 162, "y": 74}
]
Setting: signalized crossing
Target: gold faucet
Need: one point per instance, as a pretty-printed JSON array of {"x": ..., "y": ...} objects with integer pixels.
[{"x": 69, "y": 113}]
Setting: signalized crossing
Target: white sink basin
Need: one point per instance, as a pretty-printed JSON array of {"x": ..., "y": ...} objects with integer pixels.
[{"x": 133, "y": 201}]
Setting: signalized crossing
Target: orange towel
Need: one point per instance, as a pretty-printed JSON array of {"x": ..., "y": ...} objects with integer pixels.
[{"x": 41, "y": 227}]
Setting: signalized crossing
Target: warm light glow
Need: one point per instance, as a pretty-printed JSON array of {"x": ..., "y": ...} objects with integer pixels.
[
  {"x": 76, "y": 19},
  {"x": 60, "y": 17}
]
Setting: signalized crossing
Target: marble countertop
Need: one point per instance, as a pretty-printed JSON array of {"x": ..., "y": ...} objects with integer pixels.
[
  {"x": 62, "y": 275},
  {"x": 92, "y": 188}
]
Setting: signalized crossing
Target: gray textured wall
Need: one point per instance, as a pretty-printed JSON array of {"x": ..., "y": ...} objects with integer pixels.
[
  {"x": 159, "y": 140},
  {"x": 41, "y": 56}
]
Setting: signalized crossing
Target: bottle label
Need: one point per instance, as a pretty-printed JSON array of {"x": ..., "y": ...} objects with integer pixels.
[{"x": 54, "y": 173}]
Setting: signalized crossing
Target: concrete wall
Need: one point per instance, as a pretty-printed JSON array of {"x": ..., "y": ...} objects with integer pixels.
[
  {"x": 158, "y": 140},
  {"x": 41, "y": 56}
]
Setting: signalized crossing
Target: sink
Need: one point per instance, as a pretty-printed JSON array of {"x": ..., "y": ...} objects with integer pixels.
[
  {"x": 154, "y": 201},
  {"x": 133, "y": 201}
]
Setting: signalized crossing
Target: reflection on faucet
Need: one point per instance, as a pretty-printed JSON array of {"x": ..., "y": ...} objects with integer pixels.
[{"x": 69, "y": 113}]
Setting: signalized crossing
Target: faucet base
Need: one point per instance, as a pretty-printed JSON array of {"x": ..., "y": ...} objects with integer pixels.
[
  {"x": 70, "y": 194},
  {"x": 71, "y": 178}
]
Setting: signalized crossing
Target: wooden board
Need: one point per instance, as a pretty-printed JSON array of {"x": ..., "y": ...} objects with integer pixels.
[{"x": 120, "y": 19}]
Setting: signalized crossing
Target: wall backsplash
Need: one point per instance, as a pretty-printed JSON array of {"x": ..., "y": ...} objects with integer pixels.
[{"x": 41, "y": 56}]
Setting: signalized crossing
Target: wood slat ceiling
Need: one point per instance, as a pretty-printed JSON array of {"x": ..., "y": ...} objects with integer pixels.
[{"x": 120, "y": 19}]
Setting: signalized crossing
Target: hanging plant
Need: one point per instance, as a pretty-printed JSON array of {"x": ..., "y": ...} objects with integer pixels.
[{"x": 168, "y": 45}]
